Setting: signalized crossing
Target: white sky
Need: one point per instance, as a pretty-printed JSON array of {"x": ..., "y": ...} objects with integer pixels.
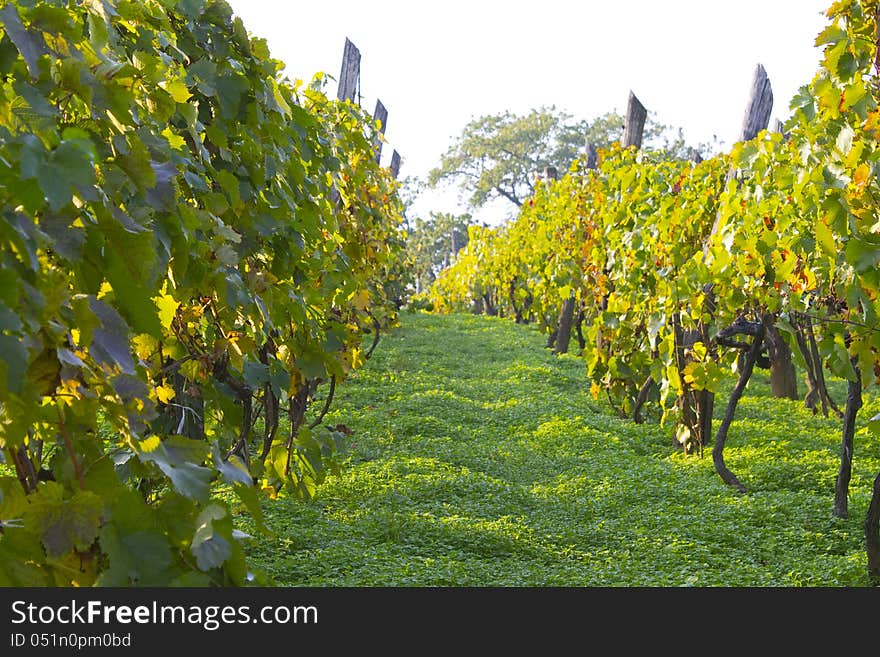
[{"x": 437, "y": 65}]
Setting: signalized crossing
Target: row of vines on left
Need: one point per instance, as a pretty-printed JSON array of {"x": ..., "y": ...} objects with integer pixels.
[{"x": 193, "y": 251}]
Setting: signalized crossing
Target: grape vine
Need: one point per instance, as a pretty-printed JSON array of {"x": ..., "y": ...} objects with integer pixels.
[{"x": 193, "y": 249}]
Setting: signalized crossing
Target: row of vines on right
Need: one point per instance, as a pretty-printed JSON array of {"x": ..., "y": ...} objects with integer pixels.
[{"x": 685, "y": 274}]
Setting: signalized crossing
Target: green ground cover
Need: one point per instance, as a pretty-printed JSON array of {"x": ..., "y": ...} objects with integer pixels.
[{"x": 480, "y": 459}]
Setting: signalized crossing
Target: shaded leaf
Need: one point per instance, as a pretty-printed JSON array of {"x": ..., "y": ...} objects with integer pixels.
[
  {"x": 30, "y": 45},
  {"x": 233, "y": 470},
  {"x": 210, "y": 548},
  {"x": 110, "y": 343},
  {"x": 64, "y": 524}
]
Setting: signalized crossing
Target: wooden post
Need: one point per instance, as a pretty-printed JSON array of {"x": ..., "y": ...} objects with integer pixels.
[
  {"x": 380, "y": 115},
  {"x": 350, "y": 73},
  {"x": 697, "y": 406},
  {"x": 760, "y": 105},
  {"x": 592, "y": 159},
  {"x": 395, "y": 164},
  {"x": 783, "y": 378},
  {"x": 756, "y": 118},
  {"x": 636, "y": 114}
]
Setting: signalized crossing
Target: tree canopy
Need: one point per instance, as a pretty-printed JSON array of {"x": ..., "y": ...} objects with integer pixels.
[{"x": 497, "y": 156}]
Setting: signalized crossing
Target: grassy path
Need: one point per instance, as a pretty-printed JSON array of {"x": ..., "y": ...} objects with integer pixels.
[{"x": 479, "y": 459}]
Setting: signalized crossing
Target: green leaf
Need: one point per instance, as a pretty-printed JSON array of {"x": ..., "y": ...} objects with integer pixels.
[
  {"x": 162, "y": 195},
  {"x": 138, "y": 165},
  {"x": 30, "y": 45},
  {"x": 13, "y": 364},
  {"x": 256, "y": 374},
  {"x": 830, "y": 35},
  {"x": 110, "y": 343},
  {"x": 190, "y": 480},
  {"x": 311, "y": 364},
  {"x": 138, "y": 558},
  {"x": 233, "y": 470},
  {"x": 132, "y": 297},
  {"x": 64, "y": 524},
  {"x": 229, "y": 183},
  {"x": 862, "y": 255},
  {"x": 230, "y": 88},
  {"x": 210, "y": 548},
  {"x": 250, "y": 496},
  {"x": 182, "y": 449},
  {"x": 69, "y": 166},
  {"x": 67, "y": 240},
  {"x": 825, "y": 237},
  {"x": 13, "y": 502}
]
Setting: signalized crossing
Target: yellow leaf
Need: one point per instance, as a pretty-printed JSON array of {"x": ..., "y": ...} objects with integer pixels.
[
  {"x": 167, "y": 309},
  {"x": 145, "y": 345},
  {"x": 361, "y": 299},
  {"x": 69, "y": 387},
  {"x": 698, "y": 350},
  {"x": 860, "y": 177},
  {"x": 174, "y": 140},
  {"x": 688, "y": 372},
  {"x": 104, "y": 290},
  {"x": 165, "y": 393},
  {"x": 149, "y": 444},
  {"x": 177, "y": 90}
]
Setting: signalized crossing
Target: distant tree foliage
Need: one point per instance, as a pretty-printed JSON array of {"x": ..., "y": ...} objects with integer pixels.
[
  {"x": 498, "y": 156},
  {"x": 431, "y": 244}
]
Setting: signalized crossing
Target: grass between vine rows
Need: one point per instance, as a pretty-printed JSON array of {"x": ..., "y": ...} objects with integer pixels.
[{"x": 480, "y": 459}]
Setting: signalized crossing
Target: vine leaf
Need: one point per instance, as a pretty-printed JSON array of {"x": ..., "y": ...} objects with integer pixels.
[
  {"x": 31, "y": 46},
  {"x": 13, "y": 363},
  {"x": 189, "y": 479},
  {"x": 110, "y": 343},
  {"x": 136, "y": 558},
  {"x": 233, "y": 471},
  {"x": 210, "y": 548},
  {"x": 63, "y": 524}
]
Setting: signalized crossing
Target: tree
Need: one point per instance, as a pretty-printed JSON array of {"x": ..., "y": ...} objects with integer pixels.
[
  {"x": 498, "y": 156},
  {"x": 431, "y": 244}
]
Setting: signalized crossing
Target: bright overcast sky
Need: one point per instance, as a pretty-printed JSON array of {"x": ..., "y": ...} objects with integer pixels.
[{"x": 437, "y": 65}]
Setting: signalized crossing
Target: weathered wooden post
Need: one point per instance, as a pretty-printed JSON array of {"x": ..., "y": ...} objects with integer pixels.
[
  {"x": 783, "y": 378},
  {"x": 697, "y": 406},
  {"x": 350, "y": 74},
  {"x": 634, "y": 126},
  {"x": 591, "y": 161},
  {"x": 757, "y": 115},
  {"x": 756, "y": 119},
  {"x": 380, "y": 115},
  {"x": 395, "y": 164}
]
